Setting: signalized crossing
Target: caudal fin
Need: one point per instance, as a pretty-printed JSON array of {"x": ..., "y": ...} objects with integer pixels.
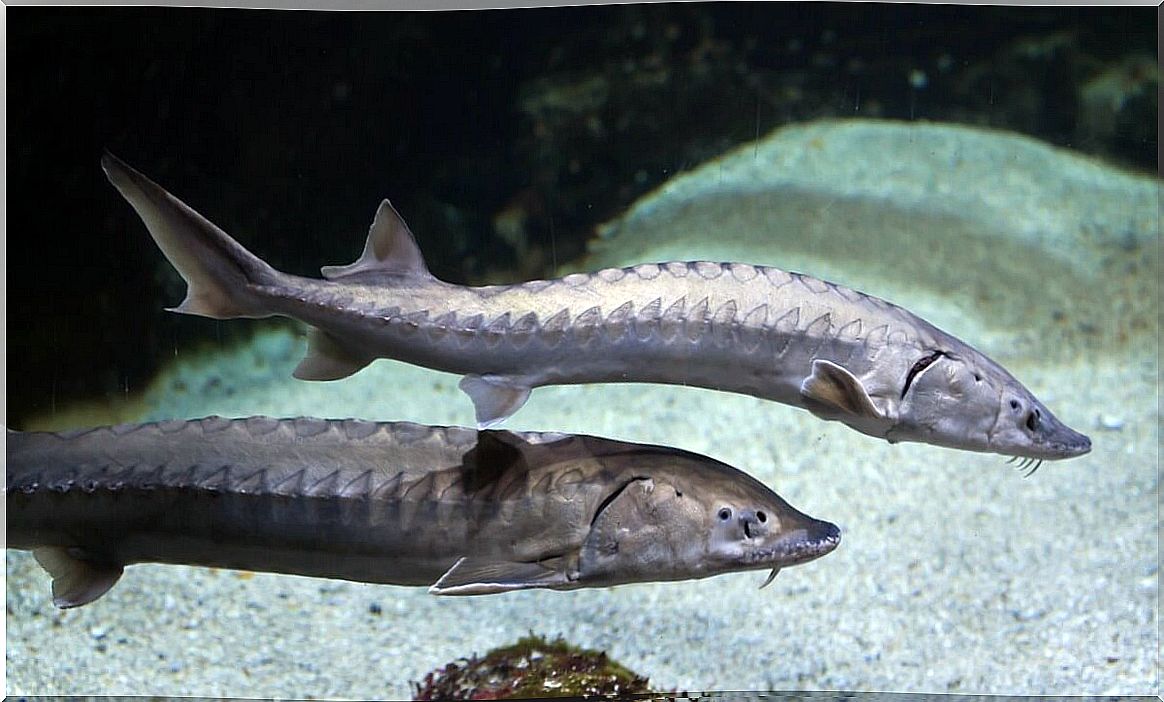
[{"x": 219, "y": 272}]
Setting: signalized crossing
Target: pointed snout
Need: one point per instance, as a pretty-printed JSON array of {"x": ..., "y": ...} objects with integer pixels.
[
  {"x": 805, "y": 540},
  {"x": 820, "y": 538},
  {"x": 1075, "y": 444},
  {"x": 1058, "y": 441}
]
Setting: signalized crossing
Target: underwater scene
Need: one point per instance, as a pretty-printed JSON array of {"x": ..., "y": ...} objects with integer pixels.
[{"x": 590, "y": 350}]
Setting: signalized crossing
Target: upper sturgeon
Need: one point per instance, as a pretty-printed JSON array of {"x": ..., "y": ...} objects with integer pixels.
[
  {"x": 460, "y": 511},
  {"x": 762, "y": 331}
]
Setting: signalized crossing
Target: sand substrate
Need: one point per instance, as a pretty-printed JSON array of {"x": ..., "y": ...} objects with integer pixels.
[{"x": 954, "y": 574}]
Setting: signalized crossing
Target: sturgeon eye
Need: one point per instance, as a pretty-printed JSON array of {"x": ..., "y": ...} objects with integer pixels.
[
  {"x": 762, "y": 517},
  {"x": 725, "y": 514}
]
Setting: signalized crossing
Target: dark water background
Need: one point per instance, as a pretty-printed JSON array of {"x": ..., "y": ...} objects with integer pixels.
[{"x": 502, "y": 136}]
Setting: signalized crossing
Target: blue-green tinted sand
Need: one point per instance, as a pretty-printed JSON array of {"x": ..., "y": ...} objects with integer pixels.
[{"x": 955, "y": 573}]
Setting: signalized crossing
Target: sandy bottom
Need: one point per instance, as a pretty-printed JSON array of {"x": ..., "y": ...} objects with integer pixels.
[{"x": 955, "y": 573}]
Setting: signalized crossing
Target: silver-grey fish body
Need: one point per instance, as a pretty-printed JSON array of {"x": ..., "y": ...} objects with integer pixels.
[
  {"x": 757, "y": 330},
  {"x": 393, "y": 503},
  {"x": 727, "y": 326}
]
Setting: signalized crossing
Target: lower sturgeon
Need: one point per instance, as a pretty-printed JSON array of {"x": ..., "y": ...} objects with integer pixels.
[
  {"x": 462, "y": 512},
  {"x": 761, "y": 331}
]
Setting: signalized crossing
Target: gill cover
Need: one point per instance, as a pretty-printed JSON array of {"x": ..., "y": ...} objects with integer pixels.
[{"x": 631, "y": 533}]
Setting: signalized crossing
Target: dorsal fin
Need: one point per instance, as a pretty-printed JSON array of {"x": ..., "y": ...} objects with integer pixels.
[
  {"x": 496, "y": 453},
  {"x": 391, "y": 248}
]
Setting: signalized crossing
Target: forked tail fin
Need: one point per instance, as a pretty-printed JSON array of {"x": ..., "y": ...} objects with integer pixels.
[{"x": 218, "y": 271}]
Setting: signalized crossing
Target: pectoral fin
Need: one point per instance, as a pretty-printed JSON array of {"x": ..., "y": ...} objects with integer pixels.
[
  {"x": 482, "y": 576},
  {"x": 76, "y": 581},
  {"x": 832, "y": 392},
  {"x": 494, "y": 397}
]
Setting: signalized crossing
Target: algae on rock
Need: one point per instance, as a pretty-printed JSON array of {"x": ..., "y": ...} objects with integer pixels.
[{"x": 532, "y": 667}]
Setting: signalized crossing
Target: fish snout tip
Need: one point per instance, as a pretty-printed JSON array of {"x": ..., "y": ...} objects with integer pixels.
[
  {"x": 1070, "y": 443},
  {"x": 1058, "y": 437},
  {"x": 1084, "y": 445},
  {"x": 819, "y": 538},
  {"x": 804, "y": 540},
  {"x": 1055, "y": 441},
  {"x": 828, "y": 536}
]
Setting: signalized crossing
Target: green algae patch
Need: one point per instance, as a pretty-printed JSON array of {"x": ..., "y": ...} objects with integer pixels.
[{"x": 532, "y": 667}]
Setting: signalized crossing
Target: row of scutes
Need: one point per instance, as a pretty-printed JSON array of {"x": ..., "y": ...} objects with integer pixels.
[{"x": 258, "y": 426}]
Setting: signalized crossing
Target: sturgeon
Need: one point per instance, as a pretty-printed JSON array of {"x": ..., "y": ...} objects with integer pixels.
[
  {"x": 762, "y": 331},
  {"x": 462, "y": 512}
]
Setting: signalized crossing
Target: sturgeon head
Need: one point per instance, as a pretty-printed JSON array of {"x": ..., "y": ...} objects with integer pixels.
[
  {"x": 686, "y": 516},
  {"x": 960, "y": 398},
  {"x": 936, "y": 389},
  {"x": 608, "y": 513}
]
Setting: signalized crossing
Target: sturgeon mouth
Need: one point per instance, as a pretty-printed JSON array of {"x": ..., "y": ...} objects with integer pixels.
[
  {"x": 1059, "y": 443},
  {"x": 1074, "y": 444},
  {"x": 801, "y": 546}
]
